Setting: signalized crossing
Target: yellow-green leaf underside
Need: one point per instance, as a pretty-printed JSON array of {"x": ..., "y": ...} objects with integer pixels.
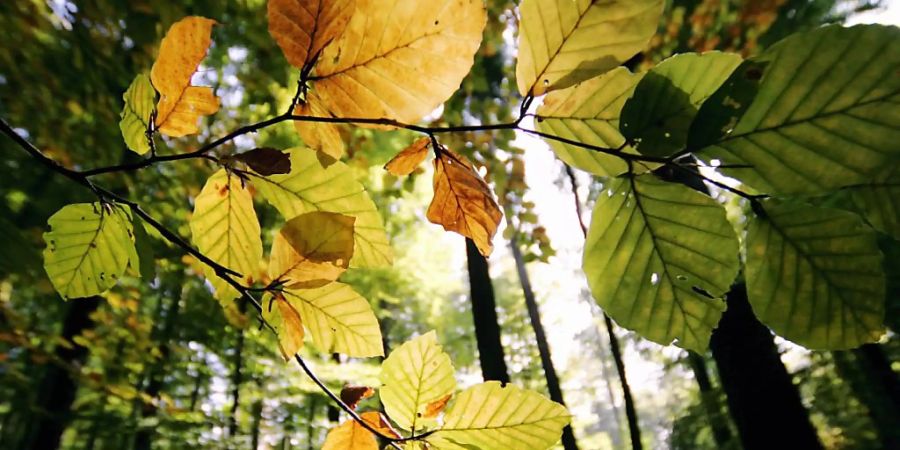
[{"x": 139, "y": 100}]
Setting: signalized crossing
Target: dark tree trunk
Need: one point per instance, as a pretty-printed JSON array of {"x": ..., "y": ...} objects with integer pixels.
[
  {"x": 763, "y": 401},
  {"x": 310, "y": 418},
  {"x": 484, "y": 314},
  {"x": 58, "y": 387},
  {"x": 534, "y": 315},
  {"x": 257, "y": 409},
  {"x": 717, "y": 421},
  {"x": 334, "y": 413},
  {"x": 872, "y": 380},
  {"x": 236, "y": 380}
]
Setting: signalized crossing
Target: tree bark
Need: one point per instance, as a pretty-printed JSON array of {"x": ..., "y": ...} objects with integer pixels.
[
  {"x": 534, "y": 315},
  {"x": 717, "y": 421},
  {"x": 869, "y": 374},
  {"x": 484, "y": 314}
]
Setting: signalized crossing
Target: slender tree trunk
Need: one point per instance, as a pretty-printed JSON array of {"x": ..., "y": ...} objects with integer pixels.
[
  {"x": 484, "y": 314},
  {"x": 256, "y": 410},
  {"x": 58, "y": 387},
  {"x": 869, "y": 375},
  {"x": 534, "y": 315},
  {"x": 236, "y": 380},
  {"x": 310, "y": 418},
  {"x": 634, "y": 429},
  {"x": 717, "y": 421}
]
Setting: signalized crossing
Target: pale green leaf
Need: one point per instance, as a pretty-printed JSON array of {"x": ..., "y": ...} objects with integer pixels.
[
  {"x": 414, "y": 375},
  {"x": 562, "y": 43},
  {"x": 338, "y": 319},
  {"x": 659, "y": 114},
  {"x": 814, "y": 276},
  {"x": 654, "y": 255},
  {"x": 89, "y": 246},
  {"x": 490, "y": 416},
  {"x": 139, "y": 100},
  {"x": 827, "y": 113},
  {"x": 310, "y": 187}
]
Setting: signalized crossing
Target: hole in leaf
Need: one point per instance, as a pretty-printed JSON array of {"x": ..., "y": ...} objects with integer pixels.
[{"x": 654, "y": 279}]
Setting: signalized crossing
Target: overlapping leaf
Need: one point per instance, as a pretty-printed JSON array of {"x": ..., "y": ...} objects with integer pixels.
[
  {"x": 490, "y": 416},
  {"x": 656, "y": 254},
  {"x": 350, "y": 435},
  {"x": 285, "y": 320},
  {"x": 312, "y": 249},
  {"x": 814, "y": 276},
  {"x": 826, "y": 114},
  {"x": 302, "y": 28},
  {"x": 413, "y": 376},
  {"x": 136, "y": 114},
  {"x": 405, "y": 162},
  {"x": 310, "y": 187},
  {"x": 562, "y": 43},
  {"x": 180, "y": 53},
  {"x": 589, "y": 113},
  {"x": 463, "y": 201},
  {"x": 323, "y": 137},
  {"x": 266, "y": 161},
  {"x": 879, "y": 201},
  {"x": 89, "y": 246}
]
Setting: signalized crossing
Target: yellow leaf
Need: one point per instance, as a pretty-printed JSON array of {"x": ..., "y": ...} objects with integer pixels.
[
  {"x": 407, "y": 160},
  {"x": 463, "y": 201},
  {"x": 399, "y": 59},
  {"x": 350, "y": 435},
  {"x": 287, "y": 323},
  {"x": 302, "y": 28},
  {"x": 312, "y": 249},
  {"x": 324, "y": 138},
  {"x": 562, "y": 43},
  {"x": 377, "y": 421},
  {"x": 180, "y": 53},
  {"x": 434, "y": 408}
]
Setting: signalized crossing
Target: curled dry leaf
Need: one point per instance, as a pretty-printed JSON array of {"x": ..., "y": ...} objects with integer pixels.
[
  {"x": 180, "y": 53},
  {"x": 407, "y": 160},
  {"x": 463, "y": 201},
  {"x": 266, "y": 161},
  {"x": 312, "y": 249},
  {"x": 434, "y": 408},
  {"x": 352, "y": 395},
  {"x": 302, "y": 28}
]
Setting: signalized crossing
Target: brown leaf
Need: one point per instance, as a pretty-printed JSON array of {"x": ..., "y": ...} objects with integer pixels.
[
  {"x": 463, "y": 201},
  {"x": 290, "y": 328},
  {"x": 434, "y": 408},
  {"x": 407, "y": 160},
  {"x": 266, "y": 161},
  {"x": 352, "y": 395},
  {"x": 312, "y": 249},
  {"x": 302, "y": 28}
]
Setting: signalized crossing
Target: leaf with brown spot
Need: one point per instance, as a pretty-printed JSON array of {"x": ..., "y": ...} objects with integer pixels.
[
  {"x": 377, "y": 421},
  {"x": 180, "y": 53},
  {"x": 463, "y": 201},
  {"x": 302, "y": 28},
  {"x": 434, "y": 408},
  {"x": 312, "y": 249},
  {"x": 407, "y": 160},
  {"x": 266, "y": 161},
  {"x": 352, "y": 395}
]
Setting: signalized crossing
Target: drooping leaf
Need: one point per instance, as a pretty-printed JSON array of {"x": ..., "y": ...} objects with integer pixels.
[
  {"x": 490, "y": 416},
  {"x": 659, "y": 114},
  {"x": 413, "y": 376},
  {"x": 826, "y": 114},
  {"x": 266, "y": 161},
  {"x": 224, "y": 227},
  {"x": 312, "y": 249},
  {"x": 180, "y": 53},
  {"x": 589, "y": 113},
  {"x": 338, "y": 319},
  {"x": 89, "y": 246},
  {"x": 814, "y": 276},
  {"x": 323, "y": 137},
  {"x": 310, "y": 187},
  {"x": 405, "y": 162},
  {"x": 463, "y": 201},
  {"x": 399, "y": 59},
  {"x": 562, "y": 43},
  {"x": 287, "y": 323},
  {"x": 879, "y": 201},
  {"x": 302, "y": 28},
  {"x": 658, "y": 257},
  {"x": 146, "y": 262},
  {"x": 136, "y": 113},
  {"x": 352, "y": 395}
]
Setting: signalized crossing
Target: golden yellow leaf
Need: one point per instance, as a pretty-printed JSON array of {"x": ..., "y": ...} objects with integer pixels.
[
  {"x": 302, "y": 28},
  {"x": 463, "y": 201},
  {"x": 352, "y": 395},
  {"x": 399, "y": 59},
  {"x": 434, "y": 408},
  {"x": 324, "y": 138},
  {"x": 312, "y": 249},
  {"x": 377, "y": 421},
  {"x": 407, "y": 160},
  {"x": 287, "y": 323},
  {"x": 350, "y": 435},
  {"x": 180, "y": 53}
]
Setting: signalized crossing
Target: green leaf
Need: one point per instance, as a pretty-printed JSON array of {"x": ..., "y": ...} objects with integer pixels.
[
  {"x": 490, "y": 416},
  {"x": 879, "y": 201},
  {"x": 224, "y": 227},
  {"x": 721, "y": 111},
  {"x": 659, "y": 114},
  {"x": 414, "y": 375},
  {"x": 139, "y": 100},
  {"x": 827, "y": 113},
  {"x": 814, "y": 276},
  {"x": 589, "y": 113},
  {"x": 658, "y": 257},
  {"x": 145, "y": 263},
  {"x": 88, "y": 248},
  {"x": 310, "y": 187},
  {"x": 562, "y": 43},
  {"x": 339, "y": 319}
]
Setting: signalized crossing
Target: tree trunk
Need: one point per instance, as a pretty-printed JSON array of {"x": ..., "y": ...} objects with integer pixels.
[
  {"x": 334, "y": 413},
  {"x": 58, "y": 387},
  {"x": 310, "y": 418},
  {"x": 869, "y": 375},
  {"x": 717, "y": 421},
  {"x": 763, "y": 401},
  {"x": 484, "y": 314},
  {"x": 236, "y": 380}
]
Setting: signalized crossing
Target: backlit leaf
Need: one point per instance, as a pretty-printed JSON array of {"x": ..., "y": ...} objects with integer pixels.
[
  {"x": 135, "y": 115},
  {"x": 325, "y": 138},
  {"x": 463, "y": 201},
  {"x": 266, "y": 161},
  {"x": 405, "y": 162},
  {"x": 350, "y": 435},
  {"x": 562, "y": 43},
  {"x": 434, "y": 408},
  {"x": 88, "y": 248},
  {"x": 656, "y": 254},
  {"x": 302, "y": 28},
  {"x": 352, "y": 395},
  {"x": 490, "y": 416},
  {"x": 312, "y": 249},
  {"x": 814, "y": 276},
  {"x": 180, "y": 53},
  {"x": 879, "y": 201},
  {"x": 413, "y": 376},
  {"x": 310, "y": 187},
  {"x": 287, "y": 323}
]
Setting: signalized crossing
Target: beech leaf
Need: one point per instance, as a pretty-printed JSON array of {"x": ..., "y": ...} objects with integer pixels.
[
  {"x": 312, "y": 249},
  {"x": 136, "y": 114},
  {"x": 323, "y": 137},
  {"x": 266, "y": 161},
  {"x": 302, "y": 28},
  {"x": 287, "y": 323},
  {"x": 409, "y": 158},
  {"x": 352, "y": 395}
]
